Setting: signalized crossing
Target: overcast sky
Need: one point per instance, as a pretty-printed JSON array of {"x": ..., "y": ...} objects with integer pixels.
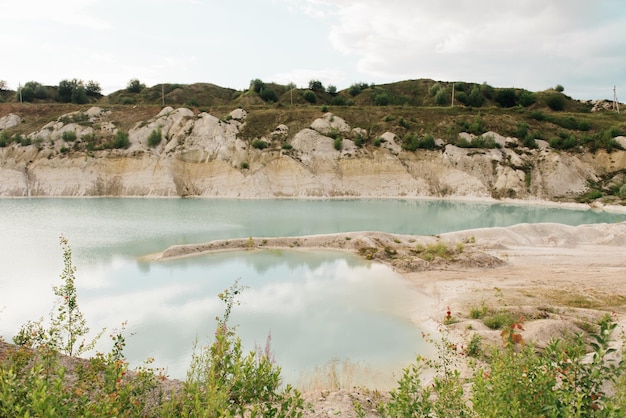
[{"x": 534, "y": 44}]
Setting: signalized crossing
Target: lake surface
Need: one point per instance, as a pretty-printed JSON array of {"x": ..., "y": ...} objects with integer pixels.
[{"x": 318, "y": 306}]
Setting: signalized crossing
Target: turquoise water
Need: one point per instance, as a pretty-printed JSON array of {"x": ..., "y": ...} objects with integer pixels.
[{"x": 317, "y": 306}]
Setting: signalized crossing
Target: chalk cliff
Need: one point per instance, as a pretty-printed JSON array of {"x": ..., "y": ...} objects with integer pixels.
[{"x": 202, "y": 155}]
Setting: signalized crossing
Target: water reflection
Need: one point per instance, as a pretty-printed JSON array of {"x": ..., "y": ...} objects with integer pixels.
[
  {"x": 317, "y": 306},
  {"x": 335, "y": 298}
]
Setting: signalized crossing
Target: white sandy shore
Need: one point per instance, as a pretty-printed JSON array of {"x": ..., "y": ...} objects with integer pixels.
[{"x": 553, "y": 277}]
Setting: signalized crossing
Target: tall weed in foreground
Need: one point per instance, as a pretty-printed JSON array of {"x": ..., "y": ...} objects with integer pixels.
[
  {"x": 68, "y": 326},
  {"x": 572, "y": 377},
  {"x": 444, "y": 397},
  {"x": 37, "y": 379},
  {"x": 223, "y": 381}
]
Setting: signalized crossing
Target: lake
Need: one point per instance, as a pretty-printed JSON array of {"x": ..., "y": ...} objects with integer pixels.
[{"x": 320, "y": 307}]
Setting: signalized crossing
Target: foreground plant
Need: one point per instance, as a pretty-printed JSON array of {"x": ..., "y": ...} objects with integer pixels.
[
  {"x": 572, "y": 377},
  {"x": 68, "y": 326},
  {"x": 222, "y": 381}
]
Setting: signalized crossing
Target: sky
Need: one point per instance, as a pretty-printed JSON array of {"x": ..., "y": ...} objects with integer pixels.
[{"x": 531, "y": 44}]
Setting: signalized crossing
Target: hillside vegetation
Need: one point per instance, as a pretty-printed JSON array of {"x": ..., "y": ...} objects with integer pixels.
[{"x": 414, "y": 121}]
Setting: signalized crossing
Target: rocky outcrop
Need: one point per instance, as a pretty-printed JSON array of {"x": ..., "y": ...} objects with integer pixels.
[
  {"x": 9, "y": 121},
  {"x": 202, "y": 155}
]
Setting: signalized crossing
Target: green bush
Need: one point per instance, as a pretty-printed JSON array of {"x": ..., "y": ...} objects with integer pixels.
[
  {"x": 498, "y": 320},
  {"x": 526, "y": 98},
  {"x": 135, "y": 86},
  {"x": 259, "y": 144},
  {"x": 338, "y": 143},
  {"x": 121, "y": 140},
  {"x": 381, "y": 99},
  {"x": 316, "y": 85},
  {"x": 309, "y": 96},
  {"x": 268, "y": 95},
  {"x": 517, "y": 380},
  {"x": 506, "y": 97},
  {"x": 69, "y": 136},
  {"x": 556, "y": 101},
  {"x": 154, "y": 138},
  {"x": 443, "y": 97},
  {"x": 412, "y": 142},
  {"x": 475, "y": 97},
  {"x": 564, "y": 142}
]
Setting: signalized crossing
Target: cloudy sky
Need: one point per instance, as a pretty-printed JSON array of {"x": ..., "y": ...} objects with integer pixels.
[{"x": 534, "y": 44}]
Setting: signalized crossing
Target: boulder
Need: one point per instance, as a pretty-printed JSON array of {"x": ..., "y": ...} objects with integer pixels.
[{"x": 9, "y": 121}]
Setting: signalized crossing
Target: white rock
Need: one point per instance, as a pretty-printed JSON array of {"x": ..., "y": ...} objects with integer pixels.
[
  {"x": 10, "y": 120},
  {"x": 330, "y": 122},
  {"x": 390, "y": 143}
]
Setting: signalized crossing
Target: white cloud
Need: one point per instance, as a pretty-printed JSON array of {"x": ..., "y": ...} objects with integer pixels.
[
  {"x": 530, "y": 43},
  {"x": 67, "y": 12}
]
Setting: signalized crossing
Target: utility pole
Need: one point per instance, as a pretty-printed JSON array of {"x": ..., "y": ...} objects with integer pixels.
[
  {"x": 615, "y": 101},
  {"x": 452, "y": 104}
]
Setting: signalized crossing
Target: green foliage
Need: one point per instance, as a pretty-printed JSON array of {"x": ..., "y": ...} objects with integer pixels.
[
  {"x": 259, "y": 144},
  {"x": 67, "y": 325},
  {"x": 412, "y": 142},
  {"x": 135, "y": 86},
  {"x": 338, "y": 101},
  {"x": 498, "y": 320},
  {"x": 223, "y": 381},
  {"x": 93, "y": 89},
  {"x": 121, "y": 140},
  {"x": 244, "y": 165},
  {"x": 526, "y": 98},
  {"x": 316, "y": 85},
  {"x": 475, "y": 98},
  {"x": 556, "y": 101},
  {"x": 559, "y": 88},
  {"x": 36, "y": 383},
  {"x": 476, "y": 127},
  {"x": 72, "y": 91},
  {"x": 338, "y": 143},
  {"x": 287, "y": 146},
  {"x": 154, "y": 138},
  {"x": 324, "y": 109},
  {"x": 268, "y": 95},
  {"x": 381, "y": 99},
  {"x": 4, "y": 139},
  {"x": 538, "y": 115},
  {"x": 309, "y": 96},
  {"x": 564, "y": 142},
  {"x": 443, "y": 97},
  {"x": 331, "y": 89},
  {"x": 257, "y": 85},
  {"x": 517, "y": 381},
  {"x": 32, "y": 90},
  {"x": 506, "y": 97},
  {"x": 439, "y": 249},
  {"x": 443, "y": 398},
  {"x": 69, "y": 136}
]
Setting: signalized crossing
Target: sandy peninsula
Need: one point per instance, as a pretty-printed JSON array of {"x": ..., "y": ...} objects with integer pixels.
[{"x": 553, "y": 278}]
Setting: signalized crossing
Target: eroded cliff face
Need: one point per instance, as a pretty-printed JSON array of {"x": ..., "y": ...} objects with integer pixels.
[{"x": 201, "y": 155}]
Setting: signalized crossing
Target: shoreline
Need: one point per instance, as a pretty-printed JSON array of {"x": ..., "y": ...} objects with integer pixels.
[
  {"x": 469, "y": 199},
  {"x": 573, "y": 273}
]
